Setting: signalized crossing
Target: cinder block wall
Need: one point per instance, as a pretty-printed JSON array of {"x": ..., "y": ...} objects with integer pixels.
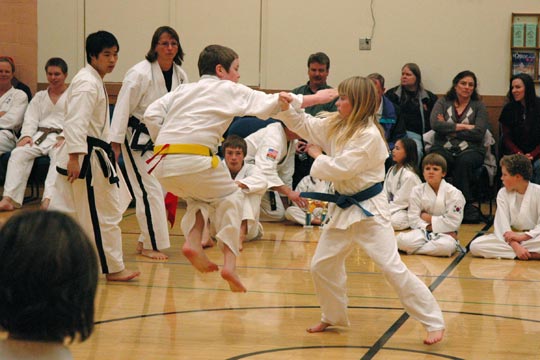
[{"x": 18, "y": 38}]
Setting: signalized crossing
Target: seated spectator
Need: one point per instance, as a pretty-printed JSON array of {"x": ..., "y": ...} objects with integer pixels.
[
  {"x": 435, "y": 213},
  {"x": 49, "y": 274},
  {"x": 400, "y": 179},
  {"x": 415, "y": 104},
  {"x": 517, "y": 226},
  {"x": 253, "y": 186},
  {"x": 272, "y": 151},
  {"x": 520, "y": 122},
  {"x": 460, "y": 121},
  {"x": 43, "y": 122},
  {"x": 13, "y": 104},
  {"x": 309, "y": 184},
  {"x": 388, "y": 114}
]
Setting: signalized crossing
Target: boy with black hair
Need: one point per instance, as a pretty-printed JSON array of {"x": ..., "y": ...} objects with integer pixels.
[{"x": 89, "y": 187}]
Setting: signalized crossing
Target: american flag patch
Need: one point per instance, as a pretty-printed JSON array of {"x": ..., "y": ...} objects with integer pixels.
[{"x": 272, "y": 154}]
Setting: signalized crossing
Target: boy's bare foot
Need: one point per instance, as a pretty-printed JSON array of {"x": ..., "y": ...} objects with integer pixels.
[
  {"x": 198, "y": 258},
  {"x": 434, "y": 337},
  {"x": 234, "y": 281},
  {"x": 6, "y": 205},
  {"x": 154, "y": 254},
  {"x": 45, "y": 204},
  {"x": 124, "y": 275},
  {"x": 534, "y": 256},
  {"x": 320, "y": 327}
]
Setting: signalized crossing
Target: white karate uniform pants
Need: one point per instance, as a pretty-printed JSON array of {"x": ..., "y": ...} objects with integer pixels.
[
  {"x": 415, "y": 242},
  {"x": 488, "y": 246}
]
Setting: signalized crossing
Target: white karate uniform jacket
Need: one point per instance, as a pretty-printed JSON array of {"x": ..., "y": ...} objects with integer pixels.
[
  {"x": 398, "y": 186},
  {"x": 13, "y": 103}
]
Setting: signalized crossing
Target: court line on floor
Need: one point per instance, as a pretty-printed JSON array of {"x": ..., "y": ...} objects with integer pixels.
[{"x": 379, "y": 344}]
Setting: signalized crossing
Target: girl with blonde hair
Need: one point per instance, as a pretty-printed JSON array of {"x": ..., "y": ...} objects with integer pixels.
[{"x": 353, "y": 159}]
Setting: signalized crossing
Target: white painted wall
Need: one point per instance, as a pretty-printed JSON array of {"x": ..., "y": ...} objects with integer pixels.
[{"x": 442, "y": 36}]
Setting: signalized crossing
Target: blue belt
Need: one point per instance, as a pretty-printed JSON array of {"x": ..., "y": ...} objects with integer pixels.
[{"x": 344, "y": 201}]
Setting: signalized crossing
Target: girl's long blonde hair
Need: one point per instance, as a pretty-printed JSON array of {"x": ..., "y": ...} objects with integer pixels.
[{"x": 364, "y": 101}]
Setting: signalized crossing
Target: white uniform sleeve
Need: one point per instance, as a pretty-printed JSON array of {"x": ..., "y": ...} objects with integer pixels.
[
  {"x": 415, "y": 208},
  {"x": 401, "y": 197},
  {"x": 155, "y": 114},
  {"x": 255, "y": 181},
  {"x": 453, "y": 213},
  {"x": 80, "y": 109},
  {"x": 13, "y": 117}
]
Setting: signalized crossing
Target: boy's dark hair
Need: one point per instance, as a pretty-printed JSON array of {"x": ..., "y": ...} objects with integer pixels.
[
  {"x": 434, "y": 159},
  {"x": 320, "y": 58},
  {"x": 214, "y": 55},
  {"x": 234, "y": 142},
  {"x": 411, "y": 153},
  {"x": 151, "y": 55},
  {"x": 517, "y": 164},
  {"x": 48, "y": 277},
  {"x": 96, "y": 42},
  {"x": 56, "y": 61}
]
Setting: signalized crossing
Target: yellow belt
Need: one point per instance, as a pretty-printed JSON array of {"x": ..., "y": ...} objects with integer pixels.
[{"x": 189, "y": 149}]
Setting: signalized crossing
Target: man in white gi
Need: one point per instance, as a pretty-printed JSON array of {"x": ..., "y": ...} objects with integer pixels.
[
  {"x": 251, "y": 182},
  {"x": 43, "y": 122},
  {"x": 517, "y": 219},
  {"x": 186, "y": 125},
  {"x": 310, "y": 184},
  {"x": 88, "y": 185},
  {"x": 13, "y": 103},
  {"x": 272, "y": 150},
  {"x": 143, "y": 84},
  {"x": 435, "y": 213}
]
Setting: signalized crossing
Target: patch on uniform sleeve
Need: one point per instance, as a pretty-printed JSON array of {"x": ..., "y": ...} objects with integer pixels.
[
  {"x": 272, "y": 154},
  {"x": 458, "y": 209}
]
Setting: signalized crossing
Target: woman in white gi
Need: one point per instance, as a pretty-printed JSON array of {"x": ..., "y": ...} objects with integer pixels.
[
  {"x": 145, "y": 82},
  {"x": 43, "y": 122},
  {"x": 356, "y": 152},
  {"x": 399, "y": 181},
  {"x": 186, "y": 125},
  {"x": 517, "y": 219},
  {"x": 435, "y": 213},
  {"x": 272, "y": 150},
  {"x": 87, "y": 186},
  {"x": 13, "y": 104}
]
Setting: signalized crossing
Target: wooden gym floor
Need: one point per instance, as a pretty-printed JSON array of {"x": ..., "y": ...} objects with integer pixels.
[{"x": 491, "y": 307}]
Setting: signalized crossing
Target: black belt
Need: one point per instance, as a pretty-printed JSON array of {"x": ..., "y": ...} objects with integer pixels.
[
  {"x": 345, "y": 201},
  {"x": 138, "y": 129},
  {"x": 86, "y": 168}
]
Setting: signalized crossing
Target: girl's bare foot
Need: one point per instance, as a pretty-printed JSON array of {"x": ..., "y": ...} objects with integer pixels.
[
  {"x": 234, "y": 281},
  {"x": 124, "y": 275},
  {"x": 434, "y": 337},
  {"x": 320, "y": 327},
  {"x": 198, "y": 258},
  {"x": 154, "y": 254}
]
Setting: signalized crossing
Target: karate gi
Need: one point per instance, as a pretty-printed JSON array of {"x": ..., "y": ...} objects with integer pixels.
[
  {"x": 353, "y": 167},
  {"x": 308, "y": 184},
  {"x": 41, "y": 114},
  {"x": 446, "y": 209},
  {"x": 250, "y": 176},
  {"x": 13, "y": 103},
  {"x": 514, "y": 211},
  {"x": 93, "y": 201},
  {"x": 142, "y": 85},
  {"x": 199, "y": 113},
  {"x": 269, "y": 149},
  {"x": 398, "y": 185}
]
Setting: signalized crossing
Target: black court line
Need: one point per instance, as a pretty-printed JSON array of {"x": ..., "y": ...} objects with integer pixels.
[
  {"x": 244, "y": 356},
  {"x": 399, "y": 322}
]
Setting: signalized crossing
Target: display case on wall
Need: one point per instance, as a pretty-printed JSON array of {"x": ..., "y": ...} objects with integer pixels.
[{"x": 525, "y": 46}]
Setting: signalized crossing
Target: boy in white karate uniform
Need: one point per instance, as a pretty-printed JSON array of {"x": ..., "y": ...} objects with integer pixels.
[
  {"x": 87, "y": 186},
  {"x": 435, "y": 213},
  {"x": 186, "y": 126},
  {"x": 517, "y": 219}
]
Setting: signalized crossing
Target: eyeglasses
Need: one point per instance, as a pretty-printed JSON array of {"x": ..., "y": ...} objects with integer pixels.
[{"x": 167, "y": 44}]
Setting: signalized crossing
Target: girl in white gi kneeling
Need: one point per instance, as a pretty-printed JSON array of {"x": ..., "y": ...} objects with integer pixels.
[{"x": 353, "y": 159}]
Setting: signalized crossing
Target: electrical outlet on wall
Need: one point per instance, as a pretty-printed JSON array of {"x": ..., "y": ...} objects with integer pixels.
[{"x": 365, "y": 44}]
